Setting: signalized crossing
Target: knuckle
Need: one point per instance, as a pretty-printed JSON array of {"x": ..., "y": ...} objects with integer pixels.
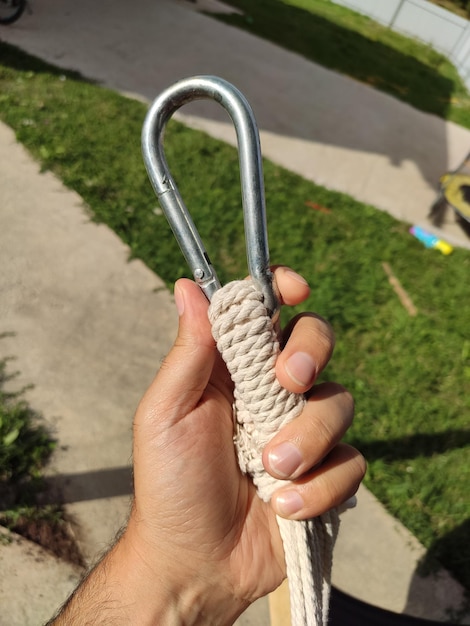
[
  {"x": 360, "y": 464},
  {"x": 323, "y": 334},
  {"x": 355, "y": 461},
  {"x": 324, "y": 434}
]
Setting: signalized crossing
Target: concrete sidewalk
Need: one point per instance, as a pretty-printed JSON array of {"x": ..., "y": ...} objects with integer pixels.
[{"x": 91, "y": 327}]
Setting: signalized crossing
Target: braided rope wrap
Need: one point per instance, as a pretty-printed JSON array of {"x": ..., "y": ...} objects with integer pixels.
[{"x": 247, "y": 341}]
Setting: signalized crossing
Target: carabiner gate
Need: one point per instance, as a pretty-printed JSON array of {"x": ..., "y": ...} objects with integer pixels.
[{"x": 251, "y": 176}]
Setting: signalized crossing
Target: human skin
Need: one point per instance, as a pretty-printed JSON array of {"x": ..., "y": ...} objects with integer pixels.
[{"x": 200, "y": 545}]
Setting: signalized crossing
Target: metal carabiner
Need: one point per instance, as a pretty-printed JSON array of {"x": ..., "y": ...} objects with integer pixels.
[{"x": 251, "y": 175}]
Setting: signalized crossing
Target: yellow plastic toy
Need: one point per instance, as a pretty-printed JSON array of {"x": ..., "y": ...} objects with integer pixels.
[{"x": 454, "y": 191}]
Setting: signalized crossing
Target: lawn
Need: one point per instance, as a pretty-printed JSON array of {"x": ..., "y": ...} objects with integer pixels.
[
  {"x": 409, "y": 375},
  {"x": 356, "y": 45}
]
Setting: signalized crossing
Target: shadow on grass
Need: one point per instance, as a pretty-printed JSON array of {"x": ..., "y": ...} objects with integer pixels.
[{"x": 412, "y": 446}]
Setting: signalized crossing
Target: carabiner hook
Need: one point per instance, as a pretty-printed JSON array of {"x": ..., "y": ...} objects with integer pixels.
[{"x": 251, "y": 175}]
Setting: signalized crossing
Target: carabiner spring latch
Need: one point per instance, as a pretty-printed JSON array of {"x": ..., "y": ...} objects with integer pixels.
[{"x": 251, "y": 176}]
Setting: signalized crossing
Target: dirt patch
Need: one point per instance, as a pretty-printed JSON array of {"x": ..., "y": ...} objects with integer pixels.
[{"x": 56, "y": 536}]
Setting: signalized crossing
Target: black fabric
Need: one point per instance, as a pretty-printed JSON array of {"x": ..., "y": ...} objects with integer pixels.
[{"x": 348, "y": 611}]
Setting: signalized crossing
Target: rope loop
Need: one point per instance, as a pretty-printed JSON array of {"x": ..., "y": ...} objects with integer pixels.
[{"x": 247, "y": 340}]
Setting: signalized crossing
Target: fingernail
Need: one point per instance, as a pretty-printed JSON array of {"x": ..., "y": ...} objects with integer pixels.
[
  {"x": 297, "y": 277},
  {"x": 284, "y": 459},
  {"x": 350, "y": 503},
  {"x": 301, "y": 368},
  {"x": 288, "y": 503},
  {"x": 179, "y": 300}
]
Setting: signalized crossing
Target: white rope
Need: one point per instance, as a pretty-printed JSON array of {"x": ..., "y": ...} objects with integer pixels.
[{"x": 247, "y": 340}]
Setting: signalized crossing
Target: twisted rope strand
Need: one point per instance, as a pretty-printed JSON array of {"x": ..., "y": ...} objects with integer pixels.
[{"x": 247, "y": 341}]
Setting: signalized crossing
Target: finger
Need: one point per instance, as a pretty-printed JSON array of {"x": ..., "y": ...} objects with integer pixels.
[
  {"x": 306, "y": 441},
  {"x": 186, "y": 370},
  {"x": 291, "y": 287},
  {"x": 309, "y": 346},
  {"x": 337, "y": 479}
]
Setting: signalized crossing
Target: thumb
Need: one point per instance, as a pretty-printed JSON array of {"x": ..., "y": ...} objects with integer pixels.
[{"x": 186, "y": 370}]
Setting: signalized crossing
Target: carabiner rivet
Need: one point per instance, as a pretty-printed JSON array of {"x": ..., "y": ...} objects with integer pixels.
[{"x": 251, "y": 175}]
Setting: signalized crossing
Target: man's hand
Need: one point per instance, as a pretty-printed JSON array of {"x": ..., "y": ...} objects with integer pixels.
[{"x": 200, "y": 546}]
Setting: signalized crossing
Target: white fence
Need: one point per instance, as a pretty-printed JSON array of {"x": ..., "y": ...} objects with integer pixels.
[{"x": 443, "y": 30}]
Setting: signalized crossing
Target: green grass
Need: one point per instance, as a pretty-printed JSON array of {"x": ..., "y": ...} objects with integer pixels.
[
  {"x": 410, "y": 376},
  {"x": 353, "y": 44}
]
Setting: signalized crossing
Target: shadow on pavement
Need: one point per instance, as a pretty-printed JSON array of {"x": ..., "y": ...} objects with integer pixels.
[
  {"x": 434, "y": 556},
  {"x": 97, "y": 485}
]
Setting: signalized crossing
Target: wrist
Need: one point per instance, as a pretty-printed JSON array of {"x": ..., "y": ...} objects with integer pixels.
[
  {"x": 124, "y": 590},
  {"x": 170, "y": 591}
]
